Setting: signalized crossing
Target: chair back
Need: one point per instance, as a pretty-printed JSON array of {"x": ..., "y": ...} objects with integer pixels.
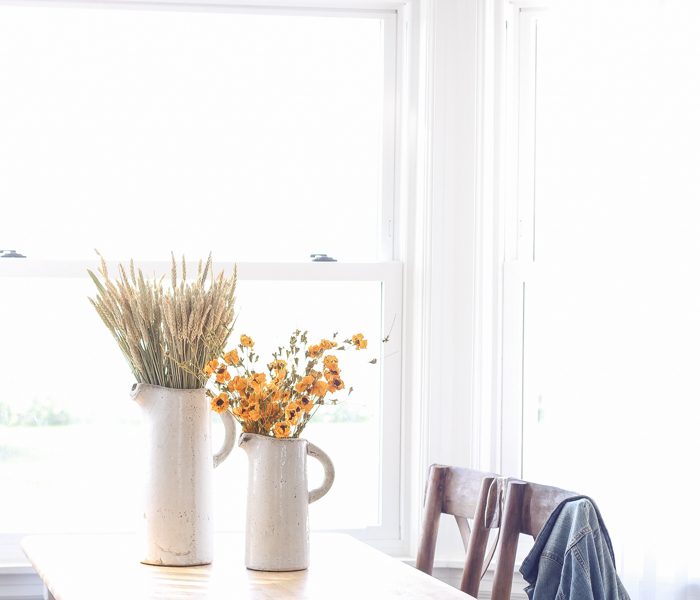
[
  {"x": 527, "y": 508},
  {"x": 465, "y": 494}
]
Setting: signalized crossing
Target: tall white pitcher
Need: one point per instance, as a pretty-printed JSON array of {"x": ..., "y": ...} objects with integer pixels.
[
  {"x": 178, "y": 495},
  {"x": 277, "y": 513}
]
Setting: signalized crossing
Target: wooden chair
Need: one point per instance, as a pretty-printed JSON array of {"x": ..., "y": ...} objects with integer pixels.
[
  {"x": 527, "y": 508},
  {"x": 465, "y": 494}
]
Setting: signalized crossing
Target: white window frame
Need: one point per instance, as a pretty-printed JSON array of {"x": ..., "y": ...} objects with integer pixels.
[
  {"x": 519, "y": 222},
  {"x": 389, "y": 536},
  {"x": 505, "y": 226}
]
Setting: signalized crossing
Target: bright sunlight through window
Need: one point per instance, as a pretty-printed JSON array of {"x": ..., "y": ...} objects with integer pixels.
[{"x": 258, "y": 137}]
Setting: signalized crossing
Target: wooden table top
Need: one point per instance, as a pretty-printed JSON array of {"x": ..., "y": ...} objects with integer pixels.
[{"x": 85, "y": 567}]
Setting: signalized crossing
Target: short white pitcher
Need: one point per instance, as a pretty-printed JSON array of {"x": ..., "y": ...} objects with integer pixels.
[{"x": 277, "y": 515}]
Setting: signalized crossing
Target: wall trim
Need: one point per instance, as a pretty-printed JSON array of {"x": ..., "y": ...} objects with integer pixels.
[{"x": 440, "y": 253}]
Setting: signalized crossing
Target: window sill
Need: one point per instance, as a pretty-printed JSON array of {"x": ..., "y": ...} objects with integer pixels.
[
  {"x": 12, "y": 568},
  {"x": 20, "y": 582}
]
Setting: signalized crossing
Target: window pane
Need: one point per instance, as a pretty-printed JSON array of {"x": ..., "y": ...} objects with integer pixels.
[
  {"x": 71, "y": 445},
  {"x": 70, "y": 440},
  {"x": 258, "y": 137},
  {"x": 611, "y": 349}
]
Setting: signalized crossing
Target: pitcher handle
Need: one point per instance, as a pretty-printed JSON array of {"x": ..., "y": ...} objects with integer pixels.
[
  {"x": 229, "y": 437},
  {"x": 328, "y": 471}
]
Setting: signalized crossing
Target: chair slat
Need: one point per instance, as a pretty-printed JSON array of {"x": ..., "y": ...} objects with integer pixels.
[
  {"x": 462, "y": 488},
  {"x": 538, "y": 504},
  {"x": 464, "y": 530}
]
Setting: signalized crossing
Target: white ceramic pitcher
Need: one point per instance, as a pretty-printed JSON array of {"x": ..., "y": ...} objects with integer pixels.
[
  {"x": 277, "y": 514},
  {"x": 178, "y": 493}
]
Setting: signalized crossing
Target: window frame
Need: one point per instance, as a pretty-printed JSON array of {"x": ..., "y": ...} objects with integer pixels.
[
  {"x": 388, "y": 536},
  {"x": 505, "y": 226},
  {"x": 519, "y": 221}
]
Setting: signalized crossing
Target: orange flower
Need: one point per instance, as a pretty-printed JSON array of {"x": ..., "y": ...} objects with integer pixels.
[
  {"x": 306, "y": 403},
  {"x": 292, "y": 412},
  {"x": 263, "y": 394},
  {"x": 247, "y": 342},
  {"x": 232, "y": 357},
  {"x": 277, "y": 365},
  {"x": 222, "y": 374},
  {"x": 270, "y": 410},
  {"x": 238, "y": 384},
  {"x": 258, "y": 380},
  {"x": 253, "y": 413},
  {"x": 327, "y": 344},
  {"x": 279, "y": 368},
  {"x": 282, "y": 429},
  {"x": 272, "y": 393},
  {"x": 330, "y": 362},
  {"x": 328, "y": 373},
  {"x": 359, "y": 341},
  {"x": 220, "y": 403},
  {"x": 319, "y": 388},
  {"x": 335, "y": 383},
  {"x": 211, "y": 366},
  {"x": 314, "y": 351},
  {"x": 305, "y": 383}
]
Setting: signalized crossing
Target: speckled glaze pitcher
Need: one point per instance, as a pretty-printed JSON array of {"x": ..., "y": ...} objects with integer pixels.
[
  {"x": 180, "y": 467},
  {"x": 277, "y": 515}
]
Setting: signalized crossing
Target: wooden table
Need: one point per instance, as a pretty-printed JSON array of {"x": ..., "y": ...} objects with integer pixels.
[{"x": 107, "y": 567}]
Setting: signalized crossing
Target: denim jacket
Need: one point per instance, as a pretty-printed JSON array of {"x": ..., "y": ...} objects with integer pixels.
[{"x": 572, "y": 558}]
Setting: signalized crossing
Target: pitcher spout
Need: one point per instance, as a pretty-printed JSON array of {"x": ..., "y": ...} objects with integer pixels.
[
  {"x": 136, "y": 393},
  {"x": 244, "y": 441}
]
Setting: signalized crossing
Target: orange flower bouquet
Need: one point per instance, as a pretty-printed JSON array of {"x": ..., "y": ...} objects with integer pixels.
[{"x": 282, "y": 399}]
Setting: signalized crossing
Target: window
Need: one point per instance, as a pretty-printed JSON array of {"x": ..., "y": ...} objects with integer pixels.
[
  {"x": 604, "y": 211},
  {"x": 262, "y": 136}
]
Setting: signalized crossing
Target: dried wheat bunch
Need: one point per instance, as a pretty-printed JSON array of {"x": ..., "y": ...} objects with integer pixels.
[{"x": 167, "y": 333}]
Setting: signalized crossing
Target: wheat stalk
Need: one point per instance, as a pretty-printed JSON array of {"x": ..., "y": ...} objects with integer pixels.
[{"x": 167, "y": 334}]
